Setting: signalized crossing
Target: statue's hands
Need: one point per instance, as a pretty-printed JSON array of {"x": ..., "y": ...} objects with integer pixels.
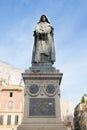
[{"x": 41, "y": 31}]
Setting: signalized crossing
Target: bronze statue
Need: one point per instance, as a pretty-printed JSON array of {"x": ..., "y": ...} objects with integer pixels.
[{"x": 43, "y": 50}]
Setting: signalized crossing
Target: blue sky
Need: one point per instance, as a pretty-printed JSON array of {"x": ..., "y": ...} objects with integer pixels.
[{"x": 69, "y": 19}]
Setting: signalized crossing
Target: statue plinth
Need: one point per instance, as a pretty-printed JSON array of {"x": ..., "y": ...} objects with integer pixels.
[{"x": 42, "y": 67}]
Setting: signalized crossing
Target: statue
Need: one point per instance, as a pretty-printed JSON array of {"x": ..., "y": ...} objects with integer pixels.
[{"x": 43, "y": 50}]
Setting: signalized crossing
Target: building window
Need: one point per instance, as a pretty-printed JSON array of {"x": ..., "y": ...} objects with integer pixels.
[
  {"x": 16, "y": 119},
  {"x": 10, "y": 105},
  {"x": 9, "y": 120},
  {"x": 10, "y": 94},
  {"x": 1, "y": 119}
]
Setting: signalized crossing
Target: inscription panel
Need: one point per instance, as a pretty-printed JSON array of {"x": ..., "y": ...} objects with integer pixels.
[{"x": 42, "y": 107}]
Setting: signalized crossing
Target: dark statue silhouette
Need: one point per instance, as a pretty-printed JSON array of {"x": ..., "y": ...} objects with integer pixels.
[{"x": 43, "y": 50}]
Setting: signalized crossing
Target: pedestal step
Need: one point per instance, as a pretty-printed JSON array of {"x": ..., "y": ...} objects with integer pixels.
[{"x": 59, "y": 126}]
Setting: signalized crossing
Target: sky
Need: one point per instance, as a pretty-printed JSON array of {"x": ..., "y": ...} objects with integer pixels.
[{"x": 18, "y": 19}]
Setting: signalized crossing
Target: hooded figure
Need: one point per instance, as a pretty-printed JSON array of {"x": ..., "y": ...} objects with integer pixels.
[{"x": 43, "y": 50}]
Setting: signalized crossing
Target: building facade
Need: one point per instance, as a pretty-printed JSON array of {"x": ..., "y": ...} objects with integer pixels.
[
  {"x": 67, "y": 114},
  {"x": 11, "y": 97},
  {"x": 11, "y": 106}
]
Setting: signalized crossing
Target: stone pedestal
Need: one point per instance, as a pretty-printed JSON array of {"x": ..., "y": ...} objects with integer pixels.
[{"x": 42, "y": 99}]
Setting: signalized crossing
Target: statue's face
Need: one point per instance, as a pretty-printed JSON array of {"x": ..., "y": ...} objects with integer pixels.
[{"x": 43, "y": 19}]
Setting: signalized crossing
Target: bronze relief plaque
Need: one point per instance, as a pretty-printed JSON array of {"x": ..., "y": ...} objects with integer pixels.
[{"x": 42, "y": 107}]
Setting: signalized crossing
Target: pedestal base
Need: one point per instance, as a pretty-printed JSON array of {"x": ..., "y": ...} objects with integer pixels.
[
  {"x": 42, "y": 99},
  {"x": 56, "y": 126}
]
